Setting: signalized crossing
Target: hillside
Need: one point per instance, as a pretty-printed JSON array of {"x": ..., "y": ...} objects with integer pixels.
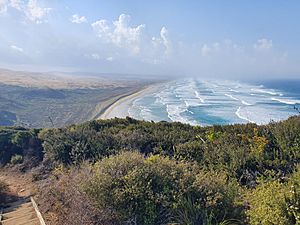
[
  {"x": 56, "y": 99},
  {"x": 135, "y": 172}
]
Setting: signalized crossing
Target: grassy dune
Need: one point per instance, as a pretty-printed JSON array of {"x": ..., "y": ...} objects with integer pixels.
[{"x": 47, "y": 100}]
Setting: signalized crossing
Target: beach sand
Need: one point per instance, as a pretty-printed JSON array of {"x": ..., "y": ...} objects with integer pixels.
[{"x": 119, "y": 108}]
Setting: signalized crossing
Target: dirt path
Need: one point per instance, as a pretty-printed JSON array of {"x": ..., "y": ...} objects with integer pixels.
[
  {"x": 20, "y": 185},
  {"x": 19, "y": 208}
]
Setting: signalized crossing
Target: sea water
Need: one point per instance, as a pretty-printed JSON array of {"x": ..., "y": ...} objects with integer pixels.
[{"x": 206, "y": 102}]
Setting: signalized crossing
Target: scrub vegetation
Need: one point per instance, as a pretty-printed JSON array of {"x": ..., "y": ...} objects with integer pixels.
[{"x": 125, "y": 171}]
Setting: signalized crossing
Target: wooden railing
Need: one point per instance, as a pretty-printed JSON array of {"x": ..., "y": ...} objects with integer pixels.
[{"x": 38, "y": 213}]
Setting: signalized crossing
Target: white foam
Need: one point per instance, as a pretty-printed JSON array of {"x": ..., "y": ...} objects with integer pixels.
[
  {"x": 177, "y": 101},
  {"x": 245, "y": 103},
  {"x": 174, "y": 114},
  {"x": 265, "y": 91},
  {"x": 286, "y": 101},
  {"x": 199, "y": 96},
  {"x": 230, "y": 89},
  {"x": 238, "y": 113},
  {"x": 135, "y": 110},
  {"x": 230, "y": 96},
  {"x": 146, "y": 113},
  {"x": 186, "y": 103}
]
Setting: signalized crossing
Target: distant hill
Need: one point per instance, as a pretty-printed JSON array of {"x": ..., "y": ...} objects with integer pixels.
[
  {"x": 58, "y": 80},
  {"x": 56, "y": 99}
]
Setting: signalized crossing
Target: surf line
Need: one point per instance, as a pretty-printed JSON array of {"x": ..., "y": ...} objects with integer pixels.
[{"x": 242, "y": 117}]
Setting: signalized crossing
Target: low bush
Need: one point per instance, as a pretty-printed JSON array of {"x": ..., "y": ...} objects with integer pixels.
[
  {"x": 22, "y": 142},
  {"x": 62, "y": 200},
  {"x": 16, "y": 159},
  {"x": 169, "y": 173},
  {"x": 245, "y": 152},
  {"x": 274, "y": 202},
  {"x": 157, "y": 190},
  {"x": 3, "y": 189}
]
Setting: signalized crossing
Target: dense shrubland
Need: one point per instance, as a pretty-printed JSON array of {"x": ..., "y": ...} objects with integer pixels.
[
  {"x": 124, "y": 171},
  {"x": 19, "y": 145},
  {"x": 244, "y": 152}
]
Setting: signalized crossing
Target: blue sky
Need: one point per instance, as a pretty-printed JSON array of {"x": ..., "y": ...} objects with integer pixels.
[{"x": 229, "y": 38}]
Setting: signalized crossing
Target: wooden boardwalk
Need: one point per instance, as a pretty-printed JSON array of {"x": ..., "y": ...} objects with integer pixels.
[{"x": 21, "y": 212}]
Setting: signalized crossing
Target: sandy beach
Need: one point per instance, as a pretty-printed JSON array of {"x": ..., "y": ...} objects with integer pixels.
[{"x": 119, "y": 108}]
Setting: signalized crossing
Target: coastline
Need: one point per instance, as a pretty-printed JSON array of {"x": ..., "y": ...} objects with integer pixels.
[{"x": 118, "y": 106}]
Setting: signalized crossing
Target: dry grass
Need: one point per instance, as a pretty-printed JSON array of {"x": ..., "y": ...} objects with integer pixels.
[
  {"x": 57, "y": 80},
  {"x": 62, "y": 201}
]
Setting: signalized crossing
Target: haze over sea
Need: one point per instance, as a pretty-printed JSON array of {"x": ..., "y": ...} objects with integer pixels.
[{"x": 206, "y": 102}]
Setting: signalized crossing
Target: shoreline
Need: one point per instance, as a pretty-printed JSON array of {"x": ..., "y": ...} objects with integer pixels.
[{"x": 119, "y": 105}]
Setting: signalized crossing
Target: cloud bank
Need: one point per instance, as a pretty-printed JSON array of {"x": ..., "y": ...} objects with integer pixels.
[
  {"x": 120, "y": 33},
  {"x": 78, "y": 19},
  {"x": 123, "y": 46},
  {"x": 16, "y": 48},
  {"x": 30, "y": 9}
]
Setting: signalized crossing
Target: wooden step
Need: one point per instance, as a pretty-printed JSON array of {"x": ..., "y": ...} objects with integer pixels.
[
  {"x": 34, "y": 221},
  {"x": 17, "y": 207},
  {"x": 22, "y": 212},
  {"x": 19, "y": 202},
  {"x": 18, "y": 213},
  {"x": 20, "y": 217}
]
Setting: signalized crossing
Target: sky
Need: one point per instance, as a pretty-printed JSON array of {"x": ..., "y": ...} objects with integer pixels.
[{"x": 232, "y": 38}]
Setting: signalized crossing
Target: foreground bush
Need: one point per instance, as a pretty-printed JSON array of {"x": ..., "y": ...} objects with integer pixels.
[
  {"x": 157, "y": 190},
  {"x": 16, "y": 159},
  {"x": 62, "y": 200},
  {"x": 20, "y": 145},
  {"x": 276, "y": 203},
  {"x": 244, "y": 152},
  {"x": 3, "y": 189},
  {"x": 171, "y": 172}
]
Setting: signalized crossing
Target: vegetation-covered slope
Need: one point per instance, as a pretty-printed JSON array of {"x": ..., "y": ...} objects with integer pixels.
[
  {"x": 37, "y": 100},
  {"x": 135, "y": 172}
]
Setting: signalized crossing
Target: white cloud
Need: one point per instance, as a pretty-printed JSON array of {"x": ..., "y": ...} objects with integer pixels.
[
  {"x": 124, "y": 39},
  {"x": 205, "y": 50},
  {"x": 162, "y": 45},
  {"x": 36, "y": 13},
  {"x": 6, "y": 4},
  {"x": 164, "y": 35},
  {"x": 230, "y": 58},
  {"x": 17, "y": 4},
  {"x": 15, "y": 48},
  {"x": 263, "y": 44},
  {"x": 3, "y": 6},
  {"x": 30, "y": 9},
  {"x": 78, "y": 19},
  {"x": 95, "y": 56},
  {"x": 103, "y": 29},
  {"x": 110, "y": 58},
  {"x": 120, "y": 33}
]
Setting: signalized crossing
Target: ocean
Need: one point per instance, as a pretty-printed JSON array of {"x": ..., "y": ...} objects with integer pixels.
[{"x": 207, "y": 102}]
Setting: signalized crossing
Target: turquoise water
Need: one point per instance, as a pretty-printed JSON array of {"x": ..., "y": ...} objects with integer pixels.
[{"x": 200, "y": 102}]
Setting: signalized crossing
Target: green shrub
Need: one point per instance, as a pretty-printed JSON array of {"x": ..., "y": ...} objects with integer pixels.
[
  {"x": 19, "y": 141},
  {"x": 185, "y": 174},
  {"x": 16, "y": 159},
  {"x": 3, "y": 189},
  {"x": 293, "y": 202},
  {"x": 156, "y": 190},
  {"x": 244, "y": 152},
  {"x": 268, "y": 204}
]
